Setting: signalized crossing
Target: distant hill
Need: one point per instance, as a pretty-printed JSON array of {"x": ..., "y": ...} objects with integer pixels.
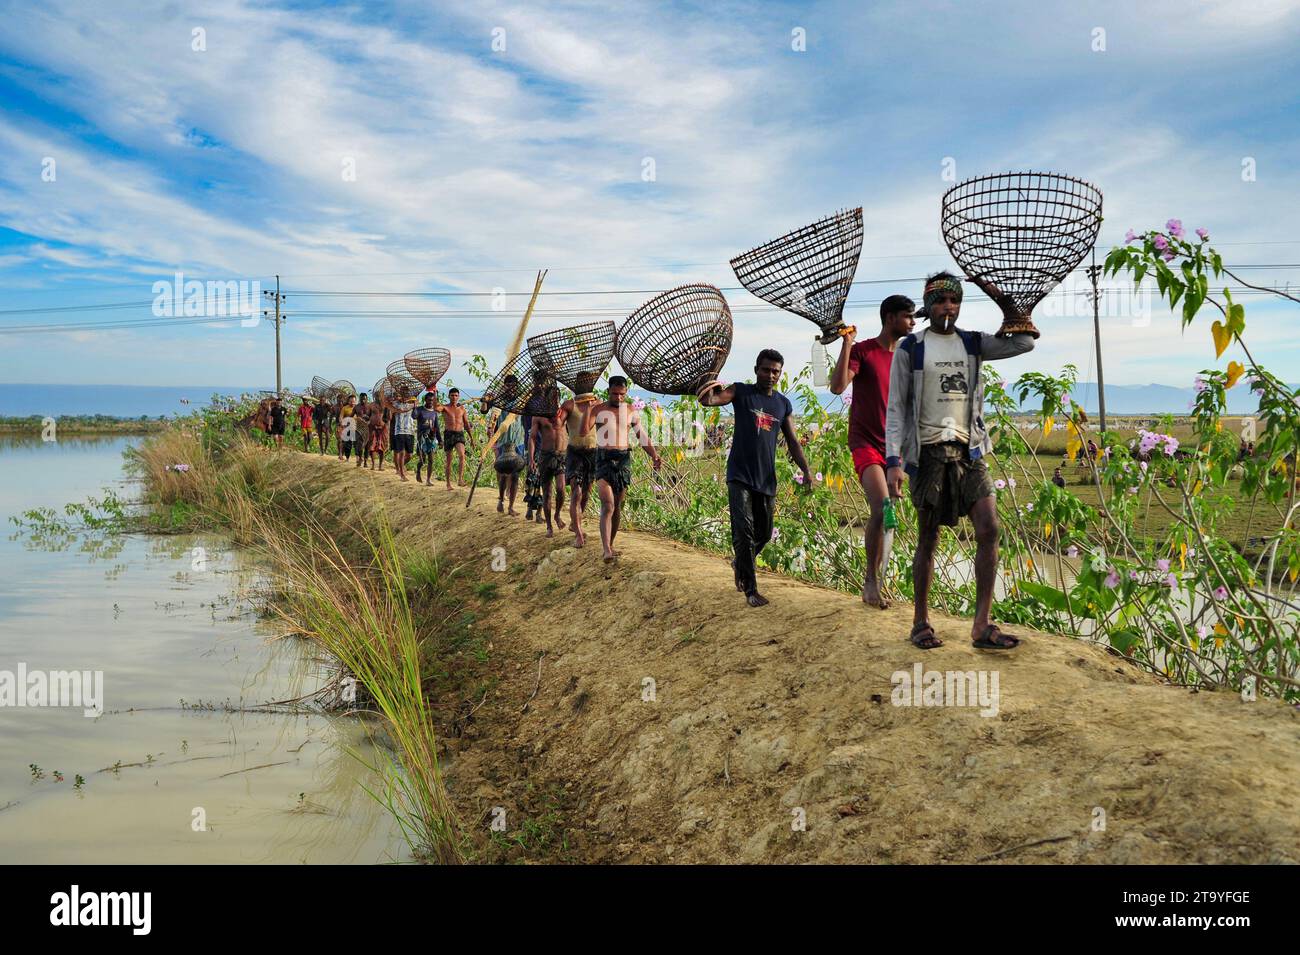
[
  {"x": 132, "y": 401},
  {"x": 118, "y": 401}
]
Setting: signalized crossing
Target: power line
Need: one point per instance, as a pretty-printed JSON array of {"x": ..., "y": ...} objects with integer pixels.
[{"x": 425, "y": 315}]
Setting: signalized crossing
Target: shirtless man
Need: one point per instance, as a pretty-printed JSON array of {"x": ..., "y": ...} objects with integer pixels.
[
  {"x": 613, "y": 420},
  {"x": 378, "y": 434},
  {"x": 546, "y": 446},
  {"x": 455, "y": 426},
  {"x": 580, "y": 458}
]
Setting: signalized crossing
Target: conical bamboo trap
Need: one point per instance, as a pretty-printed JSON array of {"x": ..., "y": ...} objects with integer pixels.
[
  {"x": 676, "y": 343},
  {"x": 1019, "y": 234},
  {"x": 808, "y": 271},
  {"x": 575, "y": 356},
  {"x": 427, "y": 365}
]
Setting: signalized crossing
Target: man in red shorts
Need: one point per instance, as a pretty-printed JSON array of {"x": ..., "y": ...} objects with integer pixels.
[{"x": 866, "y": 364}]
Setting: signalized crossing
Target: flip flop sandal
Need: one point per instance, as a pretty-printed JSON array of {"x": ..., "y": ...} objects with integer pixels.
[
  {"x": 994, "y": 639},
  {"x": 923, "y": 640}
]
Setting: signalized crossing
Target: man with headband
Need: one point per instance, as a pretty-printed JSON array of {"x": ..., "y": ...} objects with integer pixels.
[{"x": 935, "y": 431}]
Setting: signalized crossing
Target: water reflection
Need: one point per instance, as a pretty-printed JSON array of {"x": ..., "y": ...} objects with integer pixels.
[{"x": 174, "y": 770}]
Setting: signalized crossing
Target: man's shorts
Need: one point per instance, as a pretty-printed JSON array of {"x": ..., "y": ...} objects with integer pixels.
[
  {"x": 948, "y": 482},
  {"x": 550, "y": 464},
  {"x": 428, "y": 443},
  {"x": 864, "y": 457},
  {"x": 453, "y": 438},
  {"x": 580, "y": 466},
  {"x": 403, "y": 443}
]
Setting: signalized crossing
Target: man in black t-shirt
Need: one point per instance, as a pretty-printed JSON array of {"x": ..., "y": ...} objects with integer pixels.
[
  {"x": 277, "y": 422},
  {"x": 751, "y": 466}
]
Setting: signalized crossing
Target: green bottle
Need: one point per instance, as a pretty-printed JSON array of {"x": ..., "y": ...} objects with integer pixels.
[{"x": 890, "y": 516}]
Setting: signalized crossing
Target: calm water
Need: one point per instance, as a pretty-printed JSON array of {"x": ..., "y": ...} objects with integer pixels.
[{"x": 162, "y": 631}]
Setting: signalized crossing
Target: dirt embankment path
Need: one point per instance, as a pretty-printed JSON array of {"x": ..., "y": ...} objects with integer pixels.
[{"x": 763, "y": 719}]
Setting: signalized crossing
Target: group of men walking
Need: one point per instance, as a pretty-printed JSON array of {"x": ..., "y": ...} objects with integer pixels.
[
  {"x": 585, "y": 443},
  {"x": 370, "y": 428},
  {"x": 917, "y": 410}
]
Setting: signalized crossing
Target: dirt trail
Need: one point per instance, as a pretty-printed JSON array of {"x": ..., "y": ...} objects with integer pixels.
[{"x": 762, "y": 713}]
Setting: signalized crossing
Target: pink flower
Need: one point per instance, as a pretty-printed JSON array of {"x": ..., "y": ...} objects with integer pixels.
[
  {"x": 637, "y": 404},
  {"x": 1172, "y": 581},
  {"x": 1112, "y": 580},
  {"x": 1132, "y": 575},
  {"x": 1204, "y": 234},
  {"x": 1160, "y": 242},
  {"x": 1175, "y": 227},
  {"x": 999, "y": 484},
  {"x": 1129, "y": 236},
  {"x": 1221, "y": 593},
  {"x": 776, "y": 534},
  {"x": 1011, "y": 482},
  {"x": 848, "y": 398},
  {"x": 1198, "y": 384},
  {"x": 818, "y": 476},
  {"x": 658, "y": 488},
  {"x": 1202, "y": 631},
  {"x": 798, "y": 477},
  {"x": 1162, "y": 565},
  {"x": 1071, "y": 551},
  {"x": 1168, "y": 255},
  {"x": 1142, "y": 465},
  {"x": 1171, "y": 445},
  {"x": 1133, "y": 489},
  {"x": 1029, "y": 508}
]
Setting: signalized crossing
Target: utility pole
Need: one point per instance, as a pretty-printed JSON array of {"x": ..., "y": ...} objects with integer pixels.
[
  {"x": 1094, "y": 273},
  {"x": 279, "y": 318}
]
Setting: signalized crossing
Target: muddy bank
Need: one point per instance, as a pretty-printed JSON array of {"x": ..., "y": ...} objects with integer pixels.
[{"x": 765, "y": 719}]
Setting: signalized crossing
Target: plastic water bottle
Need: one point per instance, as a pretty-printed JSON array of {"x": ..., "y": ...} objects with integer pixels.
[
  {"x": 890, "y": 519},
  {"x": 820, "y": 365}
]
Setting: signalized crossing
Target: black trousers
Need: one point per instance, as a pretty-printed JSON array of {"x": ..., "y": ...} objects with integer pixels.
[
  {"x": 347, "y": 450},
  {"x": 751, "y": 529}
]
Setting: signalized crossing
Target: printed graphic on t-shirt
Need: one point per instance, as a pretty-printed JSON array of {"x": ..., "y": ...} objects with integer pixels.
[
  {"x": 764, "y": 420},
  {"x": 945, "y": 404},
  {"x": 955, "y": 382}
]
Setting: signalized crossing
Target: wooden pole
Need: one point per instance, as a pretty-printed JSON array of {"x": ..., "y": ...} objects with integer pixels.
[
  {"x": 511, "y": 354},
  {"x": 1094, "y": 273}
]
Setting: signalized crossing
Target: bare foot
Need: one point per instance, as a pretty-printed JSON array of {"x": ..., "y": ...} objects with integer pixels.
[
  {"x": 512, "y": 512},
  {"x": 550, "y": 532},
  {"x": 609, "y": 558},
  {"x": 559, "y": 523},
  {"x": 579, "y": 538},
  {"x": 871, "y": 594},
  {"x": 501, "y": 507},
  {"x": 756, "y": 599}
]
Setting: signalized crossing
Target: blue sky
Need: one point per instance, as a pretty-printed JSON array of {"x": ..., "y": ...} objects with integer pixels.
[{"x": 474, "y": 167}]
